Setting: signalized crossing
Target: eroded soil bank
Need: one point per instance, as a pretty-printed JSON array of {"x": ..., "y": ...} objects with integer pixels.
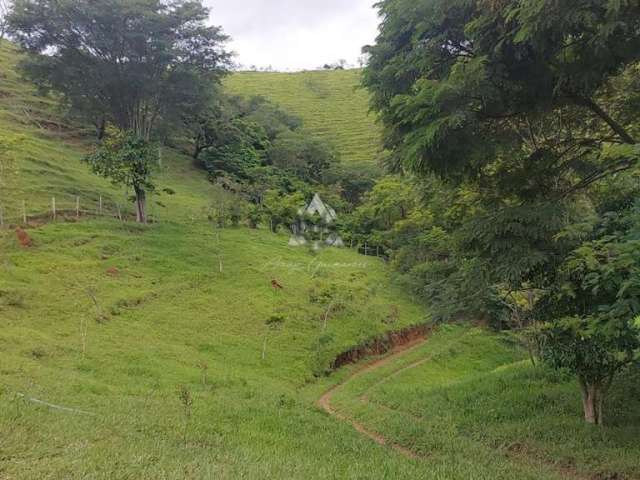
[{"x": 382, "y": 345}]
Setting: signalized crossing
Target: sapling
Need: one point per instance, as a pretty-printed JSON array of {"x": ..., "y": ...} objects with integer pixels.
[
  {"x": 332, "y": 299},
  {"x": 91, "y": 293},
  {"x": 83, "y": 334},
  {"x": 187, "y": 404},
  {"x": 203, "y": 369}
]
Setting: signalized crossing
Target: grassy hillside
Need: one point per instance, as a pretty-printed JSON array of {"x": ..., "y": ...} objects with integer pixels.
[
  {"x": 137, "y": 352},
  {"x": 48, "y": 164},
  {"x": 165, "y": 319},
  {"x": 330, "y": 103},
  {"x": 162, "y": 351}
]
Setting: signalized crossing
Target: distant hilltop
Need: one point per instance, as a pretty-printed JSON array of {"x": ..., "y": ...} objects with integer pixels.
[{"x": 330, "y": 103}]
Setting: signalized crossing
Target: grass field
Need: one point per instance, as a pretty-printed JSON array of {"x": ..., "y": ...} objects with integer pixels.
[
  {"x": 163, "y": 352},
  {"x": 331, "y": 104},
  {"x": 169, "y": 319},
  {"x": 471, "y": 406}
]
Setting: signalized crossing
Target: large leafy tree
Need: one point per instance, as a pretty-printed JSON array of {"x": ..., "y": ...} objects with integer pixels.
[
  {"x": 529, "y": 105},
  {"x": 461, "y": 84},
  {"x": 133, "y": 63}
]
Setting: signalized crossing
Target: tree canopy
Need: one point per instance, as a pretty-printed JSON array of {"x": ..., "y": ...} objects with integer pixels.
[
  {"x": 129, "y": 62},
  {"x": 462, "y": 84}
]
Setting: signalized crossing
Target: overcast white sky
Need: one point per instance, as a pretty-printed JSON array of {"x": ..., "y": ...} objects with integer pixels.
[{"x": 296, "y": 34}]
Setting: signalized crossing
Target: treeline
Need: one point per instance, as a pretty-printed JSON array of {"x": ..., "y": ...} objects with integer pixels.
[
  {"x": 514, "y": 128},
  {"x": 255, "y": 149}
]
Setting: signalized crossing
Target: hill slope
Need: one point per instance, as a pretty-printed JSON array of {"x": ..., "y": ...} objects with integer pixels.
[
  {"x": 149, "y": 348},
  {"x": 163, "y": 351},
  {"x": 330, "y": 103}
]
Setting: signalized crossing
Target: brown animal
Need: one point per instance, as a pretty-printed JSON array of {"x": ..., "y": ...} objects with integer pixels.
[
  {"x": 276, "y": 285},
  {"x": 23, "y": 238},
  {"x": 113, "y": 272}
]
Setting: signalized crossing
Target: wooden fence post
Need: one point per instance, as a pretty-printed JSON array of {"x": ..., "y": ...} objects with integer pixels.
[
  {"x": 77, "y": 207},
  {"x": 53, "y": 207},
  {"x": 366, "y": 246},
  {"x": 119, "y": 212},
  {"x": 1, "y": 218},
  {"x": 100, "y": 206},
  {"x": 24, "y": 212}
]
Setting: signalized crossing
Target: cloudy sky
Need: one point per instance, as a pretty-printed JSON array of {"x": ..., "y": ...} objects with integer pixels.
[{"x": 296, "y": 34}]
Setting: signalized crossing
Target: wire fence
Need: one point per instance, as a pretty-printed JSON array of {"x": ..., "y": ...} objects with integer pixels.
[
  {"x": 68, "y": 208},
  {"x": 74, "y": 208}
]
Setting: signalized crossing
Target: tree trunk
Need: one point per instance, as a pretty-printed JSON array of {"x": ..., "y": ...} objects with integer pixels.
[
  {"x": 101, "y": 126},
  {"x": 600, "y": 112},
  {"x": 197, "y": 150},
  {"x": 592, "y": 402},
  {"x": 141, "y": 202}
]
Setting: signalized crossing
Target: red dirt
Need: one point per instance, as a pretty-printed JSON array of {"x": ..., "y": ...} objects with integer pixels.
[
  {"x": 382, "y": 345},
  {"x": 23, "y": 238}
]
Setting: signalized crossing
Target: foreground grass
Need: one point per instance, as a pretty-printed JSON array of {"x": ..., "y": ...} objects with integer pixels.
[
  {"x": 475, "y": 409},
  {"x": 165, "y": 318},
  {"x": 330, "y": 103}
]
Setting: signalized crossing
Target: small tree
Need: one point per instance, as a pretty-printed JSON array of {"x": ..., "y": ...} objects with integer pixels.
[
  {"x": 127, "y": 159},
  {"x": 332, "y": 299},
  {"x": 601, "y": 282}
]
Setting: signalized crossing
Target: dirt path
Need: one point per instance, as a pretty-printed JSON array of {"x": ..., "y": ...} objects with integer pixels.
[
  {"x": 325, "y": 400},
  {"x": 325, "y": 403}
]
